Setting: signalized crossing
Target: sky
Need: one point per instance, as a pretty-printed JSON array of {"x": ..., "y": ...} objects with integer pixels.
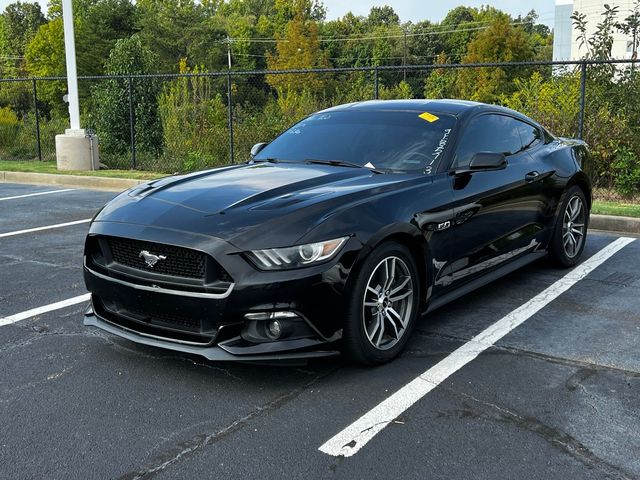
[
  {"x": 436, "y": 10},
  {"x": 416, "y": 10}
]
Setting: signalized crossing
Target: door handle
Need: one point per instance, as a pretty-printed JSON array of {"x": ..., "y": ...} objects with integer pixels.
[{"x": 531, "y": 176}]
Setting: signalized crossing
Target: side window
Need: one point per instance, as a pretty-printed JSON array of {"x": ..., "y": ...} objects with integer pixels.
[
  {"x": 488, "y": 133},
  {"x": 528, "y": 133}
]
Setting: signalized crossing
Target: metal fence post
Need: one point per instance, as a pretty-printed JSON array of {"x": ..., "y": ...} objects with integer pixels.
[
  {"x": 375, "y": 83},
  {"x": 37, "y": 113},
  {"x": 132, "y": 128},
  {"x": 230, "y": 118},
  {"x": 404, "y": 55},
  {"x": 583, "y": 89}
]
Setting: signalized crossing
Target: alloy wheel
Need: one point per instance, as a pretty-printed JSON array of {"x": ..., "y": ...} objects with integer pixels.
[
  {"x": 573, "y": 226},
  {"x": 388, "y": 303}
]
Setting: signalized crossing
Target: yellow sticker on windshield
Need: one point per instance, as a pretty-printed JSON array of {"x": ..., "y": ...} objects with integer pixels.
[{"x": 429, "y": 117}]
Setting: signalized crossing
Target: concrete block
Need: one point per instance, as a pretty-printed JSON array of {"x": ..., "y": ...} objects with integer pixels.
[{"x": 75, "y": 150}]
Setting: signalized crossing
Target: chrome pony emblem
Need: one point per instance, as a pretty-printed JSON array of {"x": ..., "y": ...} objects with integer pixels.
[{"x": 151, "y": 259}]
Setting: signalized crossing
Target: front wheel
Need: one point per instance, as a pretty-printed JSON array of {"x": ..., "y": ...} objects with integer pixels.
[
  {"x": 383, "y": 305},
  {"x": 570, "y": 233}
]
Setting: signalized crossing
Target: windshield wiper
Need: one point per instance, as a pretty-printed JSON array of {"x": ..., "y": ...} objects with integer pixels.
[{"x": 340, "y": 163}]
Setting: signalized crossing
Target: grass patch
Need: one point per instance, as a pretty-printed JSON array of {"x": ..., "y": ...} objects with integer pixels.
[
  {"x": 50, "y": 167},
  {"x": 602, "y": 207}
]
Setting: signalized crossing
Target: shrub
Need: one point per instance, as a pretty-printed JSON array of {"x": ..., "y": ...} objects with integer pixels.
[
  {"x": 357, "y": 86},
  {"x": 554, "y": 102},
  {"x": 608, "y": 130},
  {"x": 400, "y": 91},
  {"x": 194, "y": 123},
  {"x": 253, "y": 125},
  {"x": 9, "y": 127},
  {"x": 626, "y": 170}
]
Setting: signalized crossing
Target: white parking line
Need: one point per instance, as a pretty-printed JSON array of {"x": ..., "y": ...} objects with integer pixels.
[
  {"x": 47, "y": 308},
  {"x": 49, "y": 192},
  {"x": 47, "y": 227},
  {"x": 355, "y": 436}
]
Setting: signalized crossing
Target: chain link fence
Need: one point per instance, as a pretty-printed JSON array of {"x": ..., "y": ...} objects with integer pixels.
[{"x": 182, "y": 122}]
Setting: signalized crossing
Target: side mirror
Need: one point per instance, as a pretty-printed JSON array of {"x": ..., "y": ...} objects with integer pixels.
[
  {"x": 488, "y": 161},
  {"x": 485, "y": 161},
  {"x": 257, "y": 148}
]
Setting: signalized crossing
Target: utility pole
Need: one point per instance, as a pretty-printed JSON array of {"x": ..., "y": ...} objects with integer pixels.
[
  {"x": 229, "y": 103},
  {"x": 75, "y": 149},
  {"x": 70, "y": 57}
]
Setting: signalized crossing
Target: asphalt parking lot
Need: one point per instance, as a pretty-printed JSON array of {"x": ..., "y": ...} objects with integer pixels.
[{"x": 558, "y": 396}]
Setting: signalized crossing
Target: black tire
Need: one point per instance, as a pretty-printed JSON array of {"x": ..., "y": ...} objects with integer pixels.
[
  {"x": 357, "y": 345},
  {"x": 557, "y": 247}
]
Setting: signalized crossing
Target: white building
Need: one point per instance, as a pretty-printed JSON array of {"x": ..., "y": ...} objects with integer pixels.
[{"x": 566, "y": 45}]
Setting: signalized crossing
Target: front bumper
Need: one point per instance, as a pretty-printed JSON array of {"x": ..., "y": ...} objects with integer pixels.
[
  {"x": 314, "y": 294},
  {"x": 214, "y": 353}
]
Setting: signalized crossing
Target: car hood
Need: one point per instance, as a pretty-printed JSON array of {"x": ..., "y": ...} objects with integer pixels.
[
  {"x": 277, "y": 202},
  {"x": 262, "y": 186}
]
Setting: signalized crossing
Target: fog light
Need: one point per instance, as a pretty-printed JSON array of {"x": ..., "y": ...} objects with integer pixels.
[
  {"x": 274, "y": 329},
  {"x": 262, "y": 327}
]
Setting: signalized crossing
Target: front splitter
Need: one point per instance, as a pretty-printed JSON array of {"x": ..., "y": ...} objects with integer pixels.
[{"x": 213, "y": 353}]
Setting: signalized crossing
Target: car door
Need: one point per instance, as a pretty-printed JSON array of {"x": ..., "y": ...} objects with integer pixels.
[{"x": 497, "y": 212}]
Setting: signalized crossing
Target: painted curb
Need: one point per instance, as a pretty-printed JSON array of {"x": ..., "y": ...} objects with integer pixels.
[
  {"x": 74, "y": 181},
  {"x": 613, "y": 223}
]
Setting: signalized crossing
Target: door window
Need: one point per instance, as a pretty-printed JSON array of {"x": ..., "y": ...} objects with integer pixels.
[
  {"x": 488, "y": 133},
  {"x": 528, "y": 133}
]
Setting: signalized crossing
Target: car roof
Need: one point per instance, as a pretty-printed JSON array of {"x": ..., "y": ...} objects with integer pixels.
[{"x": 453, "y": 107}]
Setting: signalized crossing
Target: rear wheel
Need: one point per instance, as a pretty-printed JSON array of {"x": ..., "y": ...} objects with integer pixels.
[
  {"x": 382, "y": 306},
  {"x": 570, "y": 233}
]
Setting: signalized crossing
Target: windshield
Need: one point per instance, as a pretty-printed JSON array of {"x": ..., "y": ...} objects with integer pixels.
[{"x": 405, "y": 141}]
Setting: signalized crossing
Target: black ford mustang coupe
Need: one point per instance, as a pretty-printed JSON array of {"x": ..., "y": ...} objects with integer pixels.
[{"x": 338, "y": 234}]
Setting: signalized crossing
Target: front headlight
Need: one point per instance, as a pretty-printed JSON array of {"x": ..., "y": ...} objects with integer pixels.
[{"x": 298, "y": 256}]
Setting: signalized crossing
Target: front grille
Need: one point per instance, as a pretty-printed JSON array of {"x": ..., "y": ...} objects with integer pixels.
[
  {"x": 150, "y": 319},
  {"x": 152, "y": 315},
  {"x": 179, "y": 261}
]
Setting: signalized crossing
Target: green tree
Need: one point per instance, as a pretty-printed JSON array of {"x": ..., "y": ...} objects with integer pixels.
[
  {"x": 20, "y": 23},
  {"x": 598, "y": 46},
  {"x": 98, "y": 25},
  {"x": 22, "y": 20},
  {"x": 383, "y": 16},
  {"x": 422, "y": 45},
  {"x": 461, "y": 26},
  {"x": 5, "y": 56},
  {"x": 441, "y": 82},
  {"x": 539, "y": 36},
  {"x": 529, "y": 24},
  {"x": 631, "y": 27},
  {"x": 284, "y": 11},
  {"x": 104, "y": 22},
  {"x": 299, "y": 48},
  {"x": 342, "y": 41},
  {"x": 128, "y": 57},
  {"x": 80, "y": 8},
  {"x": 458, "y": 29},
  {"x": 45, "y": 58},
  {"x": 501, "y": 42},
  {"x": 172, "y": 28}
]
